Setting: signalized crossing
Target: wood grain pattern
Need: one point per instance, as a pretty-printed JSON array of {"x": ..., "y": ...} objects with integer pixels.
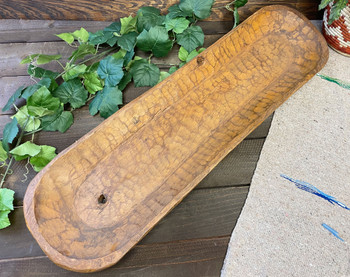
[
  {"x": 199, "y": 257},
  {"x": 204, "y": 211},
  {"x": 114, "y": 9},
  {"x": 148, "y": 156},
  {"x": 235, "y": 170}
]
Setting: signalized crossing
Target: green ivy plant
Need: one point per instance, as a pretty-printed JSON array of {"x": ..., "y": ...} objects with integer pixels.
[
  {"x": 100, "y": 67},
  {"x": 337, "y": 7}
]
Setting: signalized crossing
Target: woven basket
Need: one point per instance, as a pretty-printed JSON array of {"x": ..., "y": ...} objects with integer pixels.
[{"x": 338, "y": 33}]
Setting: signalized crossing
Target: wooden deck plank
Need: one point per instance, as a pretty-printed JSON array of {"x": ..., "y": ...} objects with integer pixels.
[
  {"x": 20, "y": 31},
  {"x": 203, "y": 213},
  {"x": 199, "y": 257},
  {"x": 100, "y": 11},
  {"x": 43, "y": 267},
  {"x": 237, "y": 167},
  {"x": 13, "y": 53}
]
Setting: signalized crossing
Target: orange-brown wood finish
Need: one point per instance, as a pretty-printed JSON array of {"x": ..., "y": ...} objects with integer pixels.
[{"x": 100, "y": 196}]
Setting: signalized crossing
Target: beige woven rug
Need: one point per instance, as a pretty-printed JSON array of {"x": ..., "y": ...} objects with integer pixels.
[{"x": 279, "y": 232}]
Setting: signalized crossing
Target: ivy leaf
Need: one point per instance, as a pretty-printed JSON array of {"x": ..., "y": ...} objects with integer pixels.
[
  {"x": 46, "y": 154},
  {"x": 148, "y": 17},
  {"x": 40, "y": 58},
  {"x": 4, "y": 220},
  {"x": 183, "y": 54},
  {"x": 111, "y": 70},
  {"x": 82, "y": 35},
  {"x": 191, "y": 38},
  {"x": 163, "y": 76},
  {"x": 82, "y": 51},
  {"x": 336, "y": 10},
  {"x": 60, "y": 121},
  {"x": 25, "y": 150},
  {"x": 324, "y": 4},
  {"x": 128, "y": 24},
  {"x": 191, "y": 55},
  {"x": 99, "y": 37},
  {"x": 40, "y": 73},
  {"x": 23, "y": 117},
  {"x": 120, "y": 54},
  {"x": 115, "y": 27},
  {"x": 112, "y": 31},
  {"x": 6, "y": 199},
  {"x": 74, "y": 72},
  {"x": 92, "y": 83},
  {"x": 42, "y": 103},
  {"x": 3, "y": 154},
  {"x": 125, "y": 80},
  {"x": 29, "y": 91},
  {"x": 144, "y": 74},
  {"x": 72, "y": 92},
  {"x": 13, "y": 98},
  {"x": 239, "y": 3},
  {"x": 174, "y": 12},
  {"x": 155, "y": 40},
  {"x": 178, "y": 25},
  {"x": 200, "y": 8},
  {"x": 67, "y": 37},
  {"x": 127, "y": 41},
  {"x": 9, "y": 133},
  {"x": 106, "y": 102},
  {"x": 128, "y": 57},
  {"x": 6, "y": 205},
  {"x": 172, "y": 69},
  {"x": 93, "y": 67}
]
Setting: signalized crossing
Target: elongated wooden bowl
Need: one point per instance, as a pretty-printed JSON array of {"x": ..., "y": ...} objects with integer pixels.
[{"x": 100, "y": 196}]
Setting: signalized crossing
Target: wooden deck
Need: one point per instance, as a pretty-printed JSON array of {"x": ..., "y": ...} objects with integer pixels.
[{"x": 190, "y": 241}]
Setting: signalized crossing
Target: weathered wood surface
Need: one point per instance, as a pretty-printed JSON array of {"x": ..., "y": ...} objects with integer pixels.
[
  {"x": 164, "y": 150},
  {"x": 14, "y": 30},
  {"x": 205, "y": 211},
  {"x": 198, "y": 257},
  {"x": 114, "y": 9},
  {"x": 17, "y": 244},
  {"x": 235, "y": 170},
  {"x": 16, "y": 241}
]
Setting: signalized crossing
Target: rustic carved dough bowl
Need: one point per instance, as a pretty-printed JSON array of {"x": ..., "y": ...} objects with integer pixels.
[{"x": 100, "y": 196}]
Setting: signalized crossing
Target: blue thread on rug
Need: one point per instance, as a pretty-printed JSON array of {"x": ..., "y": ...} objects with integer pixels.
[
  {"x": 312, "y": 189},
  {"x": 333, "y": 232}
]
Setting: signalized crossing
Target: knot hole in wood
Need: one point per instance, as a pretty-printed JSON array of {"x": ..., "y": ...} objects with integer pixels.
[
  {"x": 102, "y": 199},
  {"x": 200, "y": 60}
]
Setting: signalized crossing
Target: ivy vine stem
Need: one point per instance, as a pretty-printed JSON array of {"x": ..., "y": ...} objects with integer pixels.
[{"x": 89, "y": 59}]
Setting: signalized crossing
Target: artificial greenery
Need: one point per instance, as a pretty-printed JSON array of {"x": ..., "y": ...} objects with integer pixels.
[
  {"x": 336, "y": 8},
  {"x": 100, "y": 67}
]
